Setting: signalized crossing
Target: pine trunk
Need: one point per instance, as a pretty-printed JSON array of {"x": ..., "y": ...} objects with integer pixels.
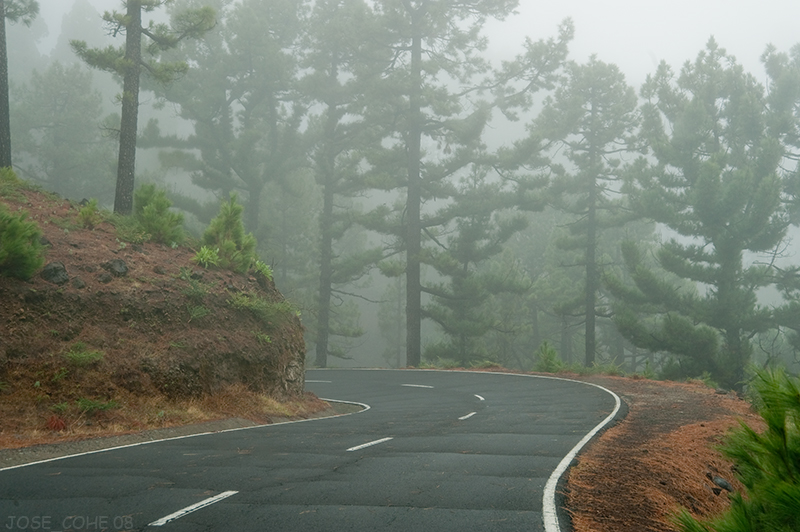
[
  {"x": 413, "y": 224},
  {"x": 126, "y": 164},
  {"x": 5, "y": 114}
]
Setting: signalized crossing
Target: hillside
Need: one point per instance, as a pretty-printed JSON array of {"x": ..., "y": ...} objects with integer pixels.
[{"x": 128, "y": 336}]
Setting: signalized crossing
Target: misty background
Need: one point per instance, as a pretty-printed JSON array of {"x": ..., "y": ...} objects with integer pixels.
[{"x": 528, "y": 285}]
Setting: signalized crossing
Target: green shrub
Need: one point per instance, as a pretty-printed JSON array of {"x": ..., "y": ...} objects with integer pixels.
[
  {"x": 92, "y": 406},
  {"x": 547, "y": 359},
  {"x": 198, "y": 312},
  {"x": 21, "y": 251},
  {"x": 129, "y": 229},
  {"x": 272, "y": 314},
  {"x": 10, "y": 184},
  {"x": 237, "y": 249},
  {"x": 79, "y": 356},
  {"x": 263, "y": 268},
  {"x": 151, "y": 209},
  {"x": 89, "y": 215},
  {"x": 767, "y": 464},
  {"x": 207, "y": 257},
  {"x": 196, "y": 291}
]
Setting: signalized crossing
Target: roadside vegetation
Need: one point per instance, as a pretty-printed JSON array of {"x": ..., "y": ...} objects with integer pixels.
[{"x": 767, "y": 464}]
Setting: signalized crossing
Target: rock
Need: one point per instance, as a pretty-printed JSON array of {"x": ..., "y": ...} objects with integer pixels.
[
  {"x": 721, "y": 391},
  {"x": 116, "y": 267},
  {"x": 196, "y": 275},
  {"x": 722, "y": 483},
  {"x": 159, "y": 270},
  {"x": 105, "y": 277},
  {"x": 78, "y": 283},
  {"x": 55, "y": 273}
]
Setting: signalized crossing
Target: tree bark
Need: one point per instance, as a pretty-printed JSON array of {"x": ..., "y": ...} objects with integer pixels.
[
  {"x": 413, "y": 224},
  {"x": 5, "y": 114},
  {"x": 126, "y": 164}
]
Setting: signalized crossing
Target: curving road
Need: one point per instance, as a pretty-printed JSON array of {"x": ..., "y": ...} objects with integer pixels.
[{"x": 444, "y": 451}]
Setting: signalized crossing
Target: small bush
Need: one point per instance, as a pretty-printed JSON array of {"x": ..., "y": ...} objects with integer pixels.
[
  {"x": 263, "y": 268},
  {"x": 547, "y": 359},
  {"x": 79, "y": 356},
  {"x": 91, "y": 406},
  {"x": 10, "y": 184},
  {"x": 262, "y": 338},
  {"x": 129, "y": 229},
  {"x": 207, "y": 257},
  {"x": 767, "y": 464},
  {"x": 196, "y": 291},
  {"x": 89, "y": 215},
  {"x": 198, "y": 312},
  {"x": 272, "y": 314},
  {"x": 151, "y": 209},
  {"x": 237, "y": 249},
  {"x": 21, "y": 251}
]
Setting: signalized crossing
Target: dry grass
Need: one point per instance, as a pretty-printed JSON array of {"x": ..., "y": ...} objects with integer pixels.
[{"x": 25, "y": 421}]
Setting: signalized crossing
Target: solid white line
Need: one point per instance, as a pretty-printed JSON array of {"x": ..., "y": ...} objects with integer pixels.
[
  {"x": 549, "y": 503},
  {"x": 193, "y": 508},
  {"x": 370, "y": 444},
  {"x": 479, "y": 397},
  {"x": 462, "y": 418},
  {"x": 137, "y": 444},
  {"x": 417, "y": 385},
  {"x": 549, "y": 510}
]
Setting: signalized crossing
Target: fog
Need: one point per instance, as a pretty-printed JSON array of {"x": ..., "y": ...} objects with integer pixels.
[{"x": 634, "y": 36}]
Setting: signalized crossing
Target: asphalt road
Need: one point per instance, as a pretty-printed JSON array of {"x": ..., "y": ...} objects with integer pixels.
[{"x": 439, "y": 451}]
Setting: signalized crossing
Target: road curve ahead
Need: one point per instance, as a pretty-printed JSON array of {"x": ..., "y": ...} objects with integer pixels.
[{"x": 438, "y": 451}]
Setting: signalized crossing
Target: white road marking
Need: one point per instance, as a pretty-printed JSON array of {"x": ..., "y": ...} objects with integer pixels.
[
  {"x": 479, "y": 397},
  {"x": 193, "y": 508},
  {"x": 319, "y": 381},
  {"x": 417, "y": 385},
  {"x": 370, "y": 444},
  {"x": 549, "y": 512},
  {"x": 129, "y": 445},
  {"x": 462, "y": 418}
]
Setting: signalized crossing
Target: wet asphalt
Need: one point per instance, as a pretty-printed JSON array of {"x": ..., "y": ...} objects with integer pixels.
[{"x": 439, "y": 451}]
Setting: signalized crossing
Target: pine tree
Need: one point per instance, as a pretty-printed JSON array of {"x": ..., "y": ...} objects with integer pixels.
[
  {"x": 243, "y": 100},
  {"x": 719, "y": 143},
  {"x": 591, "y": 118},
  {"x": 342, "y": 64},
  {"x": 12, "y": 10},
  {"x": 59, "y": 142},
  {"x": 131, "y": 61},
  {"x": 435, "y": 117}
]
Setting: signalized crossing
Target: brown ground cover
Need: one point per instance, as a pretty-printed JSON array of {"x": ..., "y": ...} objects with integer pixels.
[{"x": 660, "y": 458}]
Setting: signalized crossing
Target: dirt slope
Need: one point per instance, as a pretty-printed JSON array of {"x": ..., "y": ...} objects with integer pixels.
[{"x": 135, "y": 335}]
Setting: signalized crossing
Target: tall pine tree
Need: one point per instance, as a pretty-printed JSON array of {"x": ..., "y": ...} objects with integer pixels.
[
  {"x": 591, "y": 118},
  {"x": 130, "y": 62},
  {"x": 12, "y": 10},
  {"x": 717, "y": 185}
]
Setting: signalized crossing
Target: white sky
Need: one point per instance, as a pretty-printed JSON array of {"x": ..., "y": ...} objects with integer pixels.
[
  {"x": 637, "y": 34},
  {"x": 633, "y": 34}
]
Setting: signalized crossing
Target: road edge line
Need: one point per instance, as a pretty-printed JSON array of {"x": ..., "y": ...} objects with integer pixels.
[{"x": 148, "y": 442}]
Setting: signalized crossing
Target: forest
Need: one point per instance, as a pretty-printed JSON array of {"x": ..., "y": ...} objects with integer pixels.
[{"x": 426, "y": 203}]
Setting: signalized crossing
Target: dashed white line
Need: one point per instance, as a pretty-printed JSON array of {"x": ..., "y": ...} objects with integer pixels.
[
  {"x": 479, "y": 397},
  {"x": 369, "y": 444},
  {"x": 417, "y": 385},
  {"x": 462, "y": 418},
  {"x": 192, "y": 508}
]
